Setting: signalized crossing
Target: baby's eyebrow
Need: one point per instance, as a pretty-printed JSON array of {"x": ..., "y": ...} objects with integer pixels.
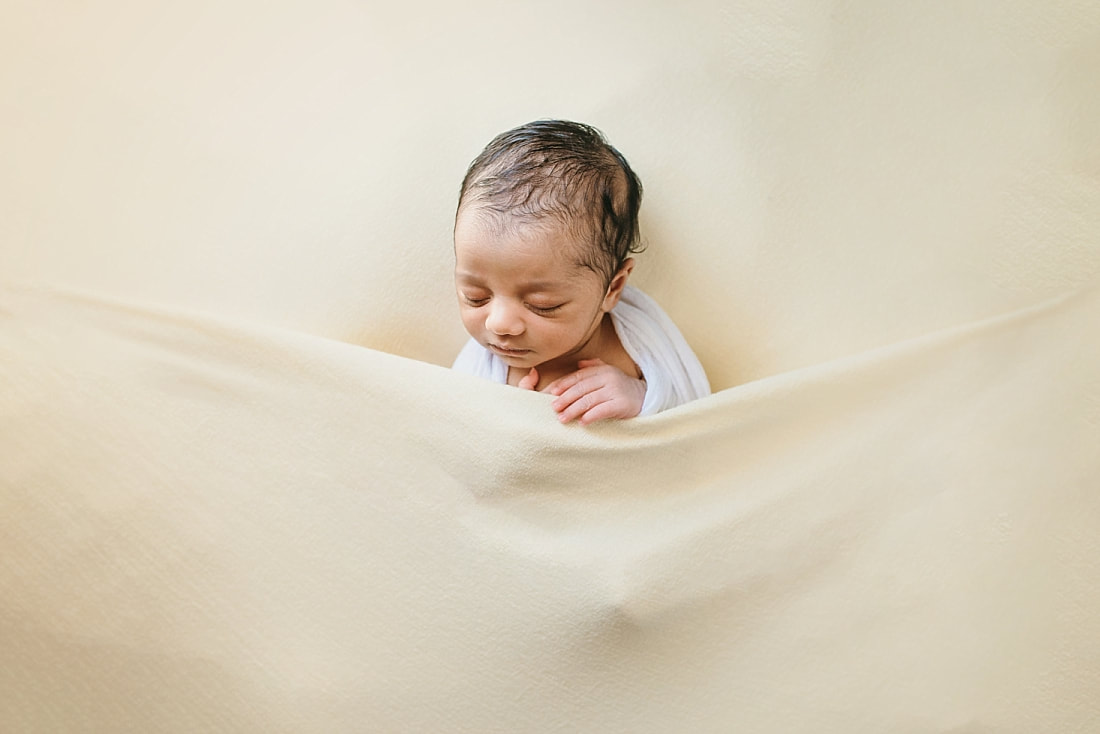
[{"x": 533, "y": 286}]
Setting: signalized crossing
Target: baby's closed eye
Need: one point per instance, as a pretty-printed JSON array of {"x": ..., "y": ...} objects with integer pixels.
[{"x": 544, "y": 309}]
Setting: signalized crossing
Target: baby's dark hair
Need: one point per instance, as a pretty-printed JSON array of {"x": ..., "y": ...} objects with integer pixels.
[{"x": 565, "y": 171}]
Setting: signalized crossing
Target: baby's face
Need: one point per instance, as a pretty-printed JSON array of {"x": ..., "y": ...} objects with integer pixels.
[{"x": 522, "y": 294}]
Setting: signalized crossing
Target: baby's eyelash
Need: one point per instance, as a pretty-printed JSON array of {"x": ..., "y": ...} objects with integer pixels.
[{"x": 543, "y": 310}]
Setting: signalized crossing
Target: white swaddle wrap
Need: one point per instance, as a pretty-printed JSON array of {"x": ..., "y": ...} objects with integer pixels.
[{"x": 672, "y": 371}]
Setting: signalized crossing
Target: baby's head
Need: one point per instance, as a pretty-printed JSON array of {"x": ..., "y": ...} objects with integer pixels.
[
  {"x": 546, "y": 222},
  {"x": 562, "y": 177}
]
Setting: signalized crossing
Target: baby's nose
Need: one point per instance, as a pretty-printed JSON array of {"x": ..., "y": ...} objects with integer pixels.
[{"x": 504, "y": 319}]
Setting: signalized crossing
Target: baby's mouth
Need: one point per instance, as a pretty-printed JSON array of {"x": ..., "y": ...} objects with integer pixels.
[{"x": 508, "y": 352}]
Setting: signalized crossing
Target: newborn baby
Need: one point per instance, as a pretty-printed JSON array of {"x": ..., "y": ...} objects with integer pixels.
[{"x": 547, "y": 220}]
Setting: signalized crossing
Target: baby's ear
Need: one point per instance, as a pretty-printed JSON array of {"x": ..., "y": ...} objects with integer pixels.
[{"x": 618, "y": 282}]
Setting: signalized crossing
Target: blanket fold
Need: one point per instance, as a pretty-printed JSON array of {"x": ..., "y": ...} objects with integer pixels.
[{"x": 211, "y": 525}]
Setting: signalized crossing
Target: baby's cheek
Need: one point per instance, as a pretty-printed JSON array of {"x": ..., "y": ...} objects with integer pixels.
[
  {"x": 471, "y": 322},
  {"x": 561, "y": 336}
]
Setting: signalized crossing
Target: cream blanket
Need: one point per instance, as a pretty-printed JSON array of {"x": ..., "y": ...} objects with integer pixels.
[
  {"x": 240, "y": 491},
  {"x": 208, "y": 526},
  {"x": 672, "y": 371}
]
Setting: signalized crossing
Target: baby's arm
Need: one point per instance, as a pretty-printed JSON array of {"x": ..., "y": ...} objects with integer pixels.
[{"x": 594, "y": 392}]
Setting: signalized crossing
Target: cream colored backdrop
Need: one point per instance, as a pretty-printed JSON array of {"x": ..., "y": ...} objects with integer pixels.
[
  {"x": 219, "y": 512},
  {"x": 820, "y": 177}
]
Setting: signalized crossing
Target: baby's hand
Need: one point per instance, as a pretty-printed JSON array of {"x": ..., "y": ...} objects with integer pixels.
[
  {"x": 596, "y": 391},
  {"x": 529, "y": 381}
]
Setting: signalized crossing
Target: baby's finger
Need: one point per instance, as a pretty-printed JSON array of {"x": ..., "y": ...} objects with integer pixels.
[
  {"x": 581, "y": 405},
  {"x": 581, "y": 386},
  {"x": 530, "y": 380},
  {"x": 601, "y": 411},
  {"x": 560, "y": 385},
  {"x": 586, "y": 370}
]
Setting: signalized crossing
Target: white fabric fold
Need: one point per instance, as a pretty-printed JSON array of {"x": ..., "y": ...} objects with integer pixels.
[{"x": 672, "y": 372}]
